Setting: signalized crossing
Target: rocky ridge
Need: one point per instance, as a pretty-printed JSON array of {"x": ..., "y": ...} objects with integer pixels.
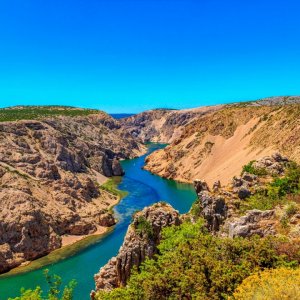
[
  {"x": 140, "y": 242},
  {"x": 277, "y": 100},
  {"x": 50, "y": 173}
]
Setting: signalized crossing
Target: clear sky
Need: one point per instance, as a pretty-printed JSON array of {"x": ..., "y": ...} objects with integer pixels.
[{"x": 132, "y": 55}]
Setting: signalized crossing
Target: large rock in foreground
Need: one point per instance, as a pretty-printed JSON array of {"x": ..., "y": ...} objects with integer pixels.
[{"x": 140, "y": 242}]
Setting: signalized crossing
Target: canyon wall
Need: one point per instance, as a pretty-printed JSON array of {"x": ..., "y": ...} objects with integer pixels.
[
  {"x": 215, "y": 145},
  {"x": 51, "y": 171}
]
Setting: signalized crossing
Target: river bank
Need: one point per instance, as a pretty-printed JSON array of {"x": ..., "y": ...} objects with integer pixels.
[{"x": 72, "y": 244}]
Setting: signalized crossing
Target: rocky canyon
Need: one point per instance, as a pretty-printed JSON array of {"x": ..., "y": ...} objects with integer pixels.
[{"x": 51, "y": 172}]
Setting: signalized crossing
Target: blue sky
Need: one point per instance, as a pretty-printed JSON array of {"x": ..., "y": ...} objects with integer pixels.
[{"x": 132, "y": 55}]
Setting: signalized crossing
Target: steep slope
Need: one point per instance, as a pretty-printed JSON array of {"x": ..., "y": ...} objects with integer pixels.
[
  {"x": 51, "y": 170},
  {"x": 215, "y": 146}
]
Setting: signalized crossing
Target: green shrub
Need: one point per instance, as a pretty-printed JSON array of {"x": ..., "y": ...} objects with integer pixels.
[
  {"x": 143, "y": 227},
  {"x": 290, "y": 183},
  {"x": 29, "y": 294},
  {"x": 196, "y": 209},
  {"x": 291, "y": 209},
  {"x": 54, "y": 293},
  {"x": 284, "y": 222},
  {"x": 249, "y": 168},
  {"x": 276, "y": 192},
  {"x": 262, "y": 200}
]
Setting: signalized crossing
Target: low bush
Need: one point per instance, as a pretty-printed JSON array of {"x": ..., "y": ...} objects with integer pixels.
[
  {"x": 249, "y": 168},
  {"x": 291, "y": 209},
  {"x": 277, "y": 192},
  {"x": 282, "y": 283},
  {"x": 143, "y": 227},
  {"x": 261, "y": 200}
]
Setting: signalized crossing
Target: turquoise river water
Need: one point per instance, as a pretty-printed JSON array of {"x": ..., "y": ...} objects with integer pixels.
[{"x": 143, "y": 189}]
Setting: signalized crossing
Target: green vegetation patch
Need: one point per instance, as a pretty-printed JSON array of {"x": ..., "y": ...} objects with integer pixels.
[
  {"x": 196, "y": 209},
  {"x": 194, "y": 264},
  {"x": 143, "y": 227},
  {"x": 278, "y": 192},
  {"x": 253, "y": 170},
  {"x": 40, "y": 112},
  {"x": 111, "y": 186}
]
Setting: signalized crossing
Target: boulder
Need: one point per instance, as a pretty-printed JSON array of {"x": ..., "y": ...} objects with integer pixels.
[
  {"x": 250, "y": 178},
  {"x": 200, "y": 185},
  {"x": 243, "y": 193},
  {"x": 274, "y": 164},
  {"x": 255, "y": 222},
  {"x": 237, "y": 182},
  {"x": 117, "y": 169}
]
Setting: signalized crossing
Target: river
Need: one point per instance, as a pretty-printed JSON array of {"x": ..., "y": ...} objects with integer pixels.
[{"x": 143, "y": 189}]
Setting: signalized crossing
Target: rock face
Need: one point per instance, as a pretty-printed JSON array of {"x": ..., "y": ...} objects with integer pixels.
[
  {"x": 163, "y": 125},
  {"x": 213, "y": 207},
  {"x": 273, "y": 164},
  {"x": 141, "y": 241},
  {"x": 50, "y": 172},
  {"x": 255, "y": 222},
  {"x": 241, "y": 185},
  {"x": 116, "y": 168}
]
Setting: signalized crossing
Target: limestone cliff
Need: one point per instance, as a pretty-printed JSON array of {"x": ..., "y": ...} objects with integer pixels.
[
  {"x": 50, "y": 173},
  {"x": 141, "y": 241}
]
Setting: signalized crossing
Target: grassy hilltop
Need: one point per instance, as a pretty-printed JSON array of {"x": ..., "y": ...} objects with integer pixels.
[{"x": 16, "y": 113}]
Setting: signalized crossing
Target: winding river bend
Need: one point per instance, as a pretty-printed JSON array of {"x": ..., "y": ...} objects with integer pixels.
[{"x": 143, "y": 189}]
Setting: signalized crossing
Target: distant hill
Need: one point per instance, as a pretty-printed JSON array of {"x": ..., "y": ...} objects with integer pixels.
[{"x": 38, "y": 112}]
